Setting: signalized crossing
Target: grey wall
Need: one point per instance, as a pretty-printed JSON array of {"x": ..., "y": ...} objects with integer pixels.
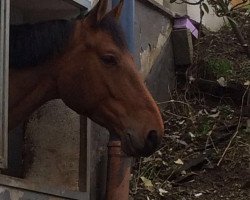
[
  {"x": 154, "y": 50},
  {"x": 176, "y": 8}
]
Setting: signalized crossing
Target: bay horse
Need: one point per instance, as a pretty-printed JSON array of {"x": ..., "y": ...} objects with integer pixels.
[{"x": 86, "y": 63}]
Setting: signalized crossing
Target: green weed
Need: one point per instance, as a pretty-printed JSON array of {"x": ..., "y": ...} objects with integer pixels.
[{"x": 220, "y": 67}]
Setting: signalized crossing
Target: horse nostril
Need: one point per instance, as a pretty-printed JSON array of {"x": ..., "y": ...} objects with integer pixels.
[{"x": 153, "y": 138}]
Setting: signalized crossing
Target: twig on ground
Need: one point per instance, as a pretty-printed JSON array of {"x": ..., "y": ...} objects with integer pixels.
[
  {"x": 237, "y": 130},
  {"x": 174, "y": 101},
  {"x": 176, "y": 115},
  {"x": 211, "y": 139}
]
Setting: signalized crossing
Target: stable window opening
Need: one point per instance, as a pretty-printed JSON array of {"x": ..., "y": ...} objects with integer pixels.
[{"x": 28, "y": 159}]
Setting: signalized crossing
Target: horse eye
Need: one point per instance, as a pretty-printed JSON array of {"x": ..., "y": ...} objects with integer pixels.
[{"x": 109, "y": 59}]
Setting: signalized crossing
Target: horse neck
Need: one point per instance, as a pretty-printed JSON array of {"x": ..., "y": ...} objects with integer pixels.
[{"x": 29, "y": 89}]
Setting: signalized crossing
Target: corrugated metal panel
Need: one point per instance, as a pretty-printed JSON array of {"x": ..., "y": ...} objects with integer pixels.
[
  {"x": 4, "y": 59},
  {"x": 81, "y": 3}
]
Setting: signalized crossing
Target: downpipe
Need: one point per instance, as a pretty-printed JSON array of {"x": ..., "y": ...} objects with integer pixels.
[{"x": 118, "y": 177}]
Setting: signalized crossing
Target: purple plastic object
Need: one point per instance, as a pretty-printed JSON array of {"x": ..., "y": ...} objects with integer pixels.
[{"x": 185, "y": 23}]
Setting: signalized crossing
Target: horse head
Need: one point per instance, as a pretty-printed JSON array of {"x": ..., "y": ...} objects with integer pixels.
[{"x": 99, "y": 79}]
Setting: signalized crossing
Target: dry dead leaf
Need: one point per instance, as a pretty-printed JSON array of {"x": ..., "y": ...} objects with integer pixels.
[
  {"x": 198, "y": 195},
  {"x": 191, "y": 135},
  {"x": 222, "y": 81},
  {"x": 162, "y": 192},
  {"x": 179, "y": 162},
  {"x": 147, "y": 183},
  {"x": 247, "y": 83},
  {"x": 215, "y": 115}
]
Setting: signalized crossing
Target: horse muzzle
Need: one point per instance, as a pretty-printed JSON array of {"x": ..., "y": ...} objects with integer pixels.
[{"x": 134, "y": 147}]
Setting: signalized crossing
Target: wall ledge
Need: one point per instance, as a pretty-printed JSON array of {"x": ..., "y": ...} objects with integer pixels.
[{"x": 160, "y": 8}]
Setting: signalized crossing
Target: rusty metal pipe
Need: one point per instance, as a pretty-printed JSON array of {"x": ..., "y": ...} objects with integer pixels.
[{"x": 119, "y": 166}]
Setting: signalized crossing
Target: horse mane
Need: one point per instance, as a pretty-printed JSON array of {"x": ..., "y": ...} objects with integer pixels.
[
  {"x": 33, "y": 44},
  {"x": 110, "y": 25}
]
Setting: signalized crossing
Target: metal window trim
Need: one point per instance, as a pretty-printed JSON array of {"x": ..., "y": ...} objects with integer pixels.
[
  {"x": 18, "y": 184},
  {"x": 80, "y": 3},
  {"x": 160, "y": 8},
  {"x": 4, "y": 80}
]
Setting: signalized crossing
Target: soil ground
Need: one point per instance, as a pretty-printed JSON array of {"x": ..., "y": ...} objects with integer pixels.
[
  {"x": 206, "y": 149},
  {"x": 186, "y": 167}
]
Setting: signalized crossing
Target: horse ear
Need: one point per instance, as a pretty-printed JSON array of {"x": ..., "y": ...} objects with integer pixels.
[
  {"x": 116, "y": 11},
  {"x": 98, "y": 12}
]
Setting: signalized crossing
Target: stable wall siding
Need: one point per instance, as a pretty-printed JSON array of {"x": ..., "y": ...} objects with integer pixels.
[{"x": 154, "y": 50}]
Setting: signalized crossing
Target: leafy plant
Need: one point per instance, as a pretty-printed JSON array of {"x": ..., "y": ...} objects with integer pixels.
[
  {"x": 220, "y": 67},
  {"x": 222, "y": 8},
  {"x": 204, "y": 126}
]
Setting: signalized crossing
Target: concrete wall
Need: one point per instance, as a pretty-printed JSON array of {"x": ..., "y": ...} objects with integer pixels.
[
  {"x": 180, "y": 9},
  {"x": 173, "y": 7},
  {"x": 154, "y": 48}
]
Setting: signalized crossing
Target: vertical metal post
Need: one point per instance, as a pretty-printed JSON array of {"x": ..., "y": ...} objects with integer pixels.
[
  {"x": 4, "y": 80},
  {"x": 119, "y": 167}
]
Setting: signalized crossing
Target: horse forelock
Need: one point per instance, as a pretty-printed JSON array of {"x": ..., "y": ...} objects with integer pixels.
[{"x": 110, "y": 25}]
